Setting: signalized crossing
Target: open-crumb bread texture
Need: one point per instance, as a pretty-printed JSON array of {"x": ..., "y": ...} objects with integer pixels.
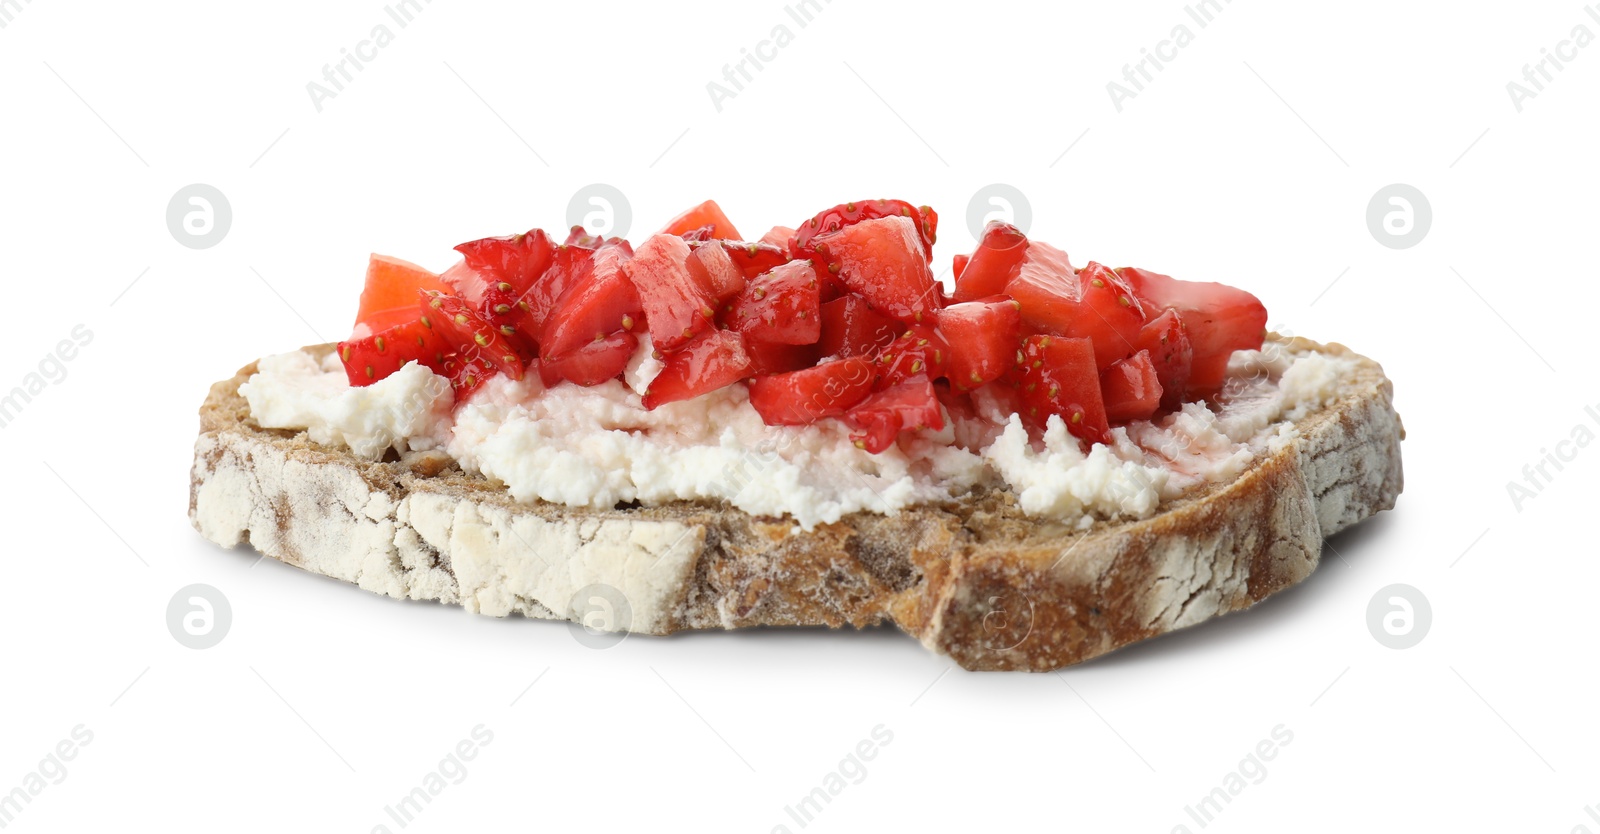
[{"x": 974, "y": 579}]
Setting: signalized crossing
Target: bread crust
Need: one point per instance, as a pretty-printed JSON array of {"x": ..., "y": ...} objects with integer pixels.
[{"x": 976, "y": 579}]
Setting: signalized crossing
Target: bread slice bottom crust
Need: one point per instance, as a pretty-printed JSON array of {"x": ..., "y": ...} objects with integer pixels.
[{"x": 974, "y": 579}]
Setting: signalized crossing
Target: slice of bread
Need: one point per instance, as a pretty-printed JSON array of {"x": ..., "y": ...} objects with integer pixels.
[{"x": 974, "y": 579}]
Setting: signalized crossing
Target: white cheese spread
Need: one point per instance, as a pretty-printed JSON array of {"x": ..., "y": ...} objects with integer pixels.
[{"x": 598, "y": 447}]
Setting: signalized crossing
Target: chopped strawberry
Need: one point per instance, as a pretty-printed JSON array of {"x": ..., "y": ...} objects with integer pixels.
[
  {"x": 1056, "y": 375},
  {"x": 518, "y": 260},
  {"x": 908, "y": 405},
  {"x": 713, "y": 269},
  {"x": 1096, "y": 303},
  {"x": 921, "y": 351},
  {"x": 752, "y": 259},
  {"x": 676, "y": 306},
  {"x": 1219, "y": 320},
  {"x": 850, "y": 327},
  {"x": 882, "y": 261},
  {"x": 389, "y": 296},
  {"x": 1131, "y": 389},
  {"x": 925, "y": 222},
  {"x": 778, "y": 236},
  {"x": 984, "y": 336},
  {"x": 712, "y": 360},
  {"x": 958, "y": 265},
  {"x": 700, "y": 235},
  {"x": 707, "y": 213},
  {"x": 460, "y": 325},
  {"x": 602, "y": 302},
  {"x": 468, "y": 370},
  {"x": 798, "y": 398},
  {"x": 570, "y": 266},
  {"x": 1167, "y": 342},
  {"x": 591, "y": 364},
  {"x": 369, "y": 356},
  {"x": 774, "y": 358},
  {"x": 781, "y": 306},
  {"x": 994, "y": 263}
]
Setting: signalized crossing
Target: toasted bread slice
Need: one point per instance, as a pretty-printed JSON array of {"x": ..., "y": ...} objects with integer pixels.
[{"x": 975, "y": 579}]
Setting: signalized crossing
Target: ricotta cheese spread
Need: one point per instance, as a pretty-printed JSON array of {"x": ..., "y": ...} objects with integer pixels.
[{"x": 598, "y": 447}]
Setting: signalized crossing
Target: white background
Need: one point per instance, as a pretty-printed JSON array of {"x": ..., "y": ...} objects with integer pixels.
[{"x": 1250, "y": 159}]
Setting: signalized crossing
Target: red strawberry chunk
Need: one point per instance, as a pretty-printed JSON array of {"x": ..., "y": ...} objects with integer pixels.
[
  {"x": 389, "y": 296},
  {"x": 712, "y": 360},
  {"x": 958, "y": 265},
  {"x": 850, "y": 327},
  {"x": 910, "y": 405},
  {"x": 983, "y": 336},
  {"x": 752, "y": 259},
  {"x": 602, "y": 302},
  {"x": 798, "y": 398},
  {"x": 468, "y": 370},
  {"x": 774, "y": 358},
  {"x": 591, "y": 364},
  {"x": 707, "y": 213},
  {"x": 781, "y": 306},
  {"x": 882, "y": 261},
  {"x": 460, "y": 325},
  {"x": 1057, "y": 375},
  {"x": 1167, "y": 342},
  {"x": 1131, "y": 389},
  {"x": 676, "y": 306},
  {"x": 778, "y": 236},
  {"x": 518, "y": 260},
  {"x": 369, "y": 357},
  {"x": 1096, "y": 303},
  {"x": 994, "y": 263},
  {"x": 714, "y": 270},
  {"x": 828, "y": 221},
  {"x": 1219, "y": 320},
  {"x": 570, "y": 266},
  {"x": 921, "y": 351}
]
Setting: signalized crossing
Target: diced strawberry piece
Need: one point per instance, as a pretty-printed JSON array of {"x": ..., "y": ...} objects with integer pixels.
[
  {"x": 580, "y": 237},
  {"x": 712, "y": 360},
  {"x": 774, "y": 358},
  {"x": 958, "y": 265},
  {"x": 983, "y": 336},
  {"x": 798, "y": 398},
  {"x": 1057, "y": 375},
  {"x": 1219, "y": 320},
  {"x": 460, "y": 325},
  {"x": 601, "y": 303},
  {"x": 707, "y": 213},
  {"x": 369, "y": 356},
  {"x": 591, "y": 364},
  {"x": 676, "y": 306},
  {"x": 882, "y": 261},
  {"x": 1167, "y": 342},
  {"x": 781, "y": 306},
  {"x": 699, "y": 235},
  {"x": 925, "y": 221},
  {"x": 468, "y": 370},
  {"x": 518, "y": 260},
  {"x": 909, "y": 405},
  {"x": 752, "y": 259},
  {"x": 570, "y": 266},
  {"x": 389, "y": 296},
  {"x": 713, "y": 269},
  {"x": 994, "y": 263},
  {"x": 920, "y": 351},
  {"x": 1131, "y": 389},
  {"x": 778, "y": 236},
  {"x": 850, "y": 327},
  {"x": 1096, "y": 303}
]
